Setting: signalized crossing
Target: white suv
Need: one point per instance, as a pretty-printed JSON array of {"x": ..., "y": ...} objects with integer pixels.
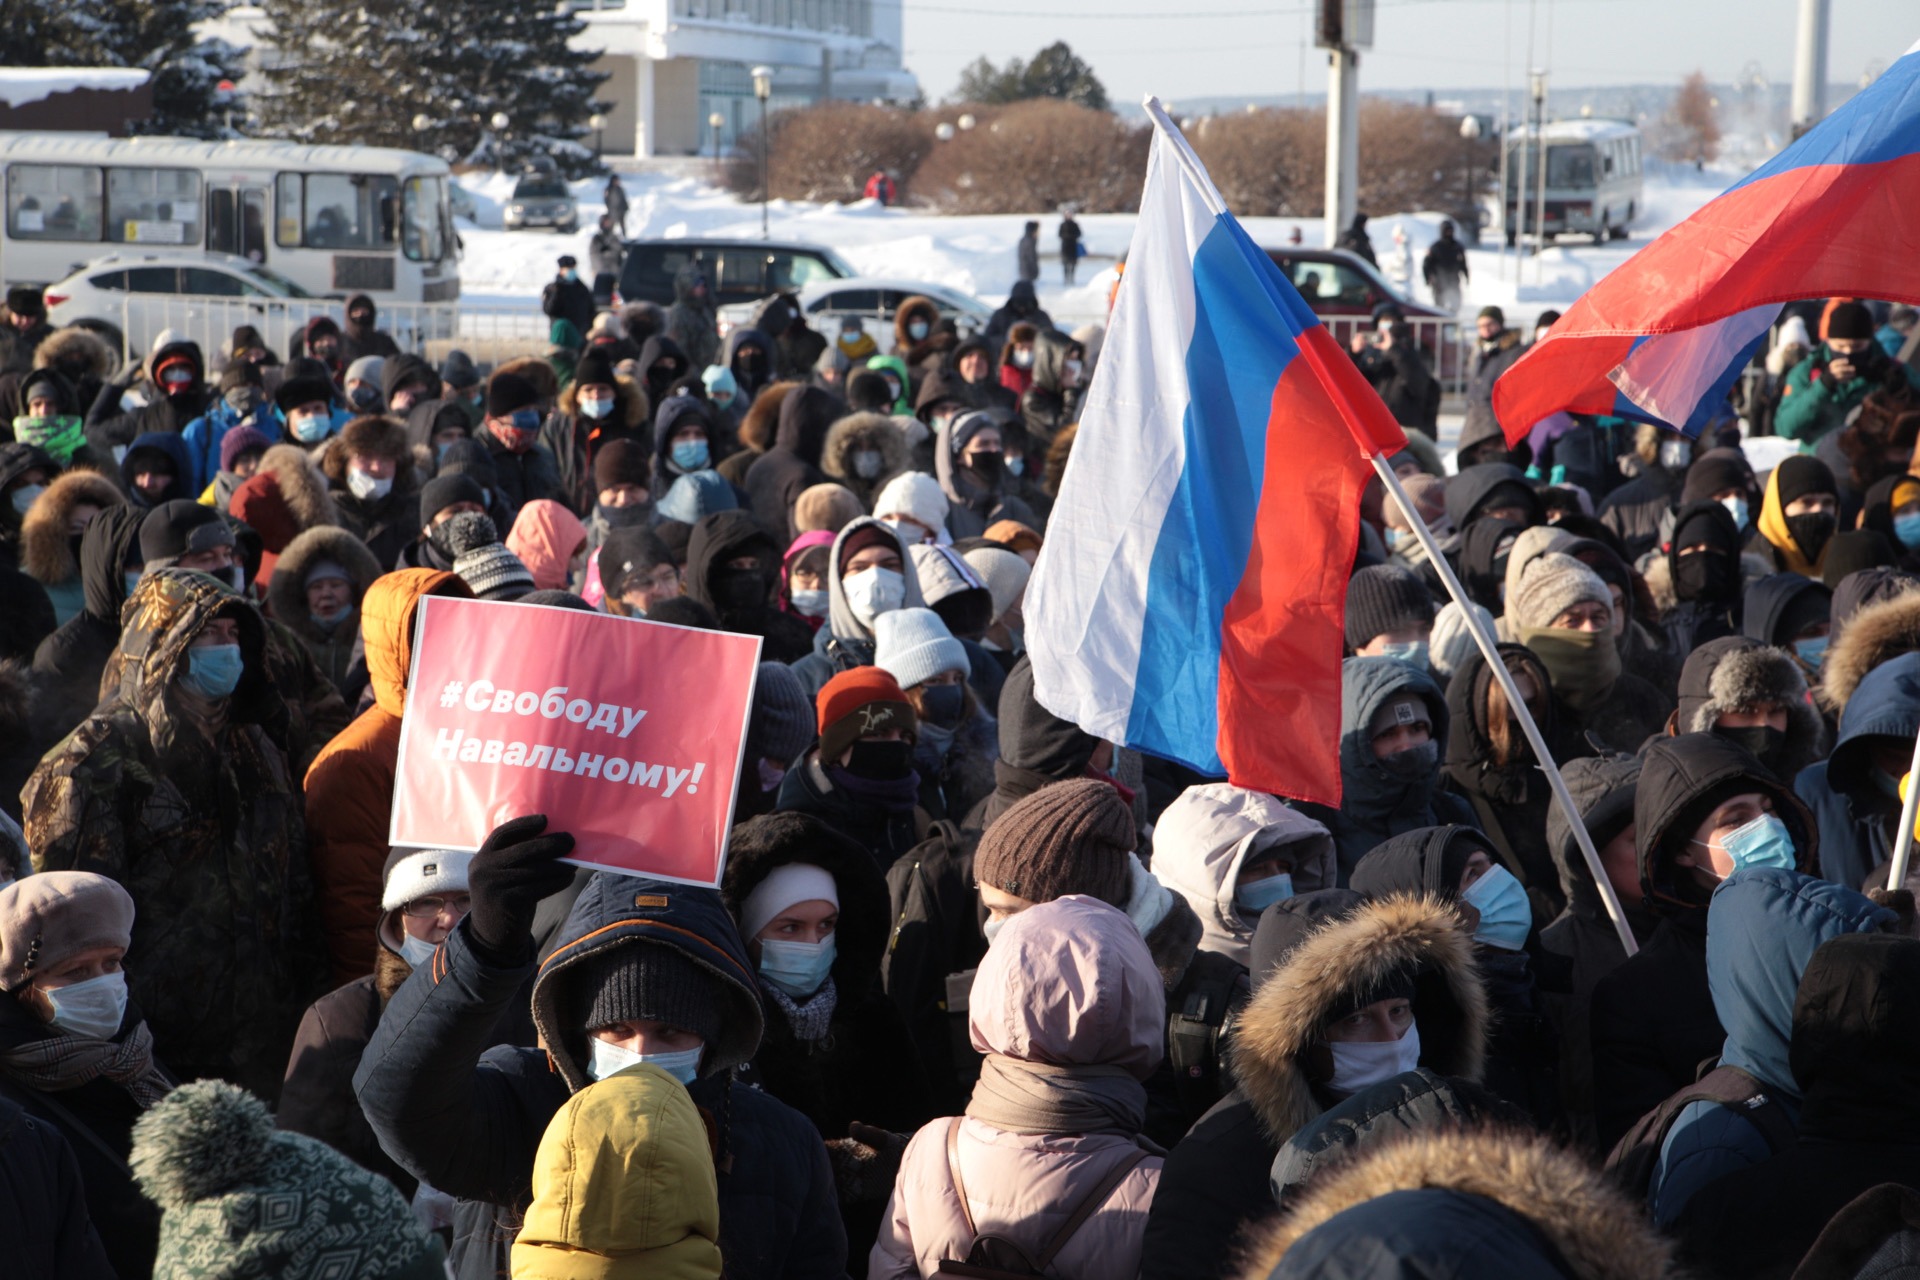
[{"x": 131, "y": 297}]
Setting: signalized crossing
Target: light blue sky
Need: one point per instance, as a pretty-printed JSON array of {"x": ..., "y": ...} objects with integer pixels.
[{"x": 1176, "y": 48}]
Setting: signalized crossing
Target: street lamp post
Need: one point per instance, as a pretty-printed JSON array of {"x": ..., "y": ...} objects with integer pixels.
[
  {"x": 1539, "y": 87},
  {"x": 499, "y": 120},
  {"x": 1470, "y": 132},
  {"x": 716, "y": 122},
  {"x": 763, "y": 89},
  {"x": 598, "y": 123}
]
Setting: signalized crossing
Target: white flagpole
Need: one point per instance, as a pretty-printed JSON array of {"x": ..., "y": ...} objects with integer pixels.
[
  {"x": 1497, "y": 665},
  {"x": 1903, "y": 839}
]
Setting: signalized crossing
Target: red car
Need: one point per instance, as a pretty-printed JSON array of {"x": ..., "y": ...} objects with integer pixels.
[{"x": 1343, "y": 289}]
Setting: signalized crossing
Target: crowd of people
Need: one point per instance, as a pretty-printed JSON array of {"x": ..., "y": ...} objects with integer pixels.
[{"x": 979, "y": 994}]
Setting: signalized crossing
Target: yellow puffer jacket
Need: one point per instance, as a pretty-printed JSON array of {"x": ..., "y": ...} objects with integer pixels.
[{"x": 623, "y": 1187}]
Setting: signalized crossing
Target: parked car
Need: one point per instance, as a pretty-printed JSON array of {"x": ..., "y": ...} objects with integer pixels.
[
  {"x": 874, "y": 301},
  {"x": 541, "y": 200},
  {"x": 737, "y": 270},
  {"x": 1343, "y": 289}
]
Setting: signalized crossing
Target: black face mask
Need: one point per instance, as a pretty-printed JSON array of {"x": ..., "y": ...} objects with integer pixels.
[
  {"x": 987, "y": 466},
  {"x": 632, "y": 516},
  {"x": 881, "y": 761},
  {"x": 739, "y": 589},
  {"x": 1764, "y": 742},
  {"x": 1704, "y": 575},
  {"x": 1811, "y": 532}
]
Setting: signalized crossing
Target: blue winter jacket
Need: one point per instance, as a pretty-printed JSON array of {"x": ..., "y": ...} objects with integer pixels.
[{"x": 1853, "y": 803}]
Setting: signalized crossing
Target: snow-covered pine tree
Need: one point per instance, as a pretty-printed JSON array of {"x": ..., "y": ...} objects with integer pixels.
[
  {"x": 154, "y": 35},
  {"x": 365, "y": 70}
]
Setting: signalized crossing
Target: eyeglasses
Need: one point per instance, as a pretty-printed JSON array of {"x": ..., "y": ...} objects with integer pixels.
[{"x": 428, "y": 908}]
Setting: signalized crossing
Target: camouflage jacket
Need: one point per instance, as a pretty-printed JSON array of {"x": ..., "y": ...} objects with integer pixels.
[{"x": 205, "y": 830}]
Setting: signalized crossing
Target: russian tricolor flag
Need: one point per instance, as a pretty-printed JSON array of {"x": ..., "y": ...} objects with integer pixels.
[
  {"x": 1190, "y": 598},
  {"x": 1663, "y": 337}
]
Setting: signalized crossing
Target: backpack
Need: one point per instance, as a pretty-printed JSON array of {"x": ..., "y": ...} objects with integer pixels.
[
  {"x": 1635, "y": 1156},
  {"x": 992, "y": 1257},
  {"x": 1200, "y": 1019}
]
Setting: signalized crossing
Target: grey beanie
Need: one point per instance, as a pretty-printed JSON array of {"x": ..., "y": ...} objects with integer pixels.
[
  {"x": 782, "y": 725},
  {"x": 645, "y": 981},
  {"x": 1383, "y": 598},
  {"x": 1553, "y": 584}
]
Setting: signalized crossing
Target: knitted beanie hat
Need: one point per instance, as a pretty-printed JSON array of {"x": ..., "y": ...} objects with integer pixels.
[
  {"x": 622, "y": 462},
  {"x": 859, "y": 702},
  {"x": 239, "y": 440},
  {"x": 1553, "y": 584},
  {"x": 490, "y": 570},
  {"x": 1383, "y": 598},
  {"x": 49, "y": 918},
  {"x": 1850, "y": 320},
  {"x": 241, "y": 1200},
  {"x": 914, "y": 645},
  {"x": 1067, "y": 837},
  {"x": 441, "y": 492},
  {"x": 915, "y": 494},
  {"x": 781, "y": 726},
  {"x": 1004, "y": 573},
  {"x": 644, "y": 981},
  {"x": 1452, "y": 640},
  {"x": 1801, "y": 474}
]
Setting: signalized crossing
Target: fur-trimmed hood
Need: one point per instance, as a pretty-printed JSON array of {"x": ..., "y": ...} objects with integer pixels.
[
  {"x": 864, "y": 431},
  {"x": 287, "y": 591},
  {"x": 70, "y": 348},
  {"x": 301, "y": 485},
  {"x": 762, "y": 417},
  {"x": 47, "y": 551},
  {"x": 1872, "y": 636},
  {"x": 1740, "y": 674},
  {"x": 629, "y": 405},
  {"x": 1281, "y": 1028},
  {"x": 1596, "y": 1231}
]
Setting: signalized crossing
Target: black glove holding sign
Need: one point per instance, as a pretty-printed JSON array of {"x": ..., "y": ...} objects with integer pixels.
[{"x": 512, "y": 872}]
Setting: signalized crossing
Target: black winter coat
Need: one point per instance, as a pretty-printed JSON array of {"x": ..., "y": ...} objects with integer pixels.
[
  {"x": 1653, "y": 1025},
  {"x": 779, "y": 476},
  {"x": 44, "y": 1213},
  {"x": 522, "y": 477},
  {"x": 71, "y": 661},
  {"x": 387, "y": 525},
  {"x": 885, "y": 834},
  {"x": 1212, "y": 1189},
  {"x": 467, "y": 1118}
]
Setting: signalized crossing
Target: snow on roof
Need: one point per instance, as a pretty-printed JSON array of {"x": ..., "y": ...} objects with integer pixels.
[
  {"x": 22, "y": 85},
  {"x": 1593, "y": 130}
]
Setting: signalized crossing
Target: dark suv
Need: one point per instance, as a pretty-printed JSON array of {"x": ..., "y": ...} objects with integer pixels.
[{"x": 737, "y": 270}]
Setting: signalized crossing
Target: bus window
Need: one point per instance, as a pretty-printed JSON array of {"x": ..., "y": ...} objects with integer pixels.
[
  {"x": 1570, "y": 167},
  {"x": 350, "y": 211},
  {"x": 53, "y": 202},
  {"x": 237, "y": 221},
  {"x": 423, "y": 237},
  {"x": 153, "y": 206},
  {"x": 287, "y": 192}
]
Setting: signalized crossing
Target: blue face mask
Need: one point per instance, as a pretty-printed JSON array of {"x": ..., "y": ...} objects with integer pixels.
[
  {"x": 1737, "y": 508},
  {"x": 605, "y": 1059},
  {"x": 213, "y": 670},
  {"x": 525, "y": 419},
  {"x": 1412, "y": 652},
  {"x": 1764, "y": 842},
  {"x": 690, "y": 455},
  {"x": 811, "y": 604},
  {"x": 1907, "y": 529},
  {"x": 1015, "y": 466},
  {"x": 311, "y": 429},
  {"x": 1256, "y": 896},
  {"x": 796, "y": 968},
  {"x": 1506, "y": 917},
  {"x": 945, "y": 703},
  {"x": 1812, "y": 652}
]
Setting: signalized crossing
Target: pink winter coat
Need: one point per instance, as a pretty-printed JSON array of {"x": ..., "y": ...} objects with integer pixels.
[{"x": 1068, "y": 982}]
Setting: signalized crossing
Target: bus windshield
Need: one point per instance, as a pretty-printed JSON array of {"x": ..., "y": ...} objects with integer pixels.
[{"x": 1568, "y": 166}]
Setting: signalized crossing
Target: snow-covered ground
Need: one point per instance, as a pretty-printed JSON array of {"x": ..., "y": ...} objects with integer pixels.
[{"x": 976, "y": 254}]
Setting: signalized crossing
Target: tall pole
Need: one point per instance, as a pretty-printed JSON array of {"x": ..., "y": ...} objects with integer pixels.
[
  {"x": 1506, "y": 148},
  {"x": 1810, "y": 67},
  {"x": 1343, "y": 140},
  {"x": 1540, "y": 172},
  {"x": 764, "y": 179}
]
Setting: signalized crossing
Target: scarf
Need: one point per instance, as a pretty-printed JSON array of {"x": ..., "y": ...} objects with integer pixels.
[
  {"x": 895, "y": 795},
  {"x": 1017, "y": 1096},
  {"x": 809, "y": 1021},
  {"x": 59, "y": 1062}
]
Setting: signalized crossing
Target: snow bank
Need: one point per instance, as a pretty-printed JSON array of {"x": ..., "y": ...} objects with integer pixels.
[{"x": 22, "y": 85}]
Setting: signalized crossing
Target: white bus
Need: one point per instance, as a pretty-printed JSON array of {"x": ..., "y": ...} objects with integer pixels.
[
  {"x": 334, "y": 220},
  {"x": 1593, "y": 179}
]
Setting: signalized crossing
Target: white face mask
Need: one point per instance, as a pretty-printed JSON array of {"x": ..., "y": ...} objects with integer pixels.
[
  {"x": 604, "y": 1059},
  {"x": 363, "y": 486},
  {"x": 1023, "y": 357},
  {"x": 1357, "y": 1065},
  {"x": 93, "y": 1008},
  {"x": 866, "y": 463},
  {"x": 872, "y": 592},
  {"x": 416, "y": 951}
]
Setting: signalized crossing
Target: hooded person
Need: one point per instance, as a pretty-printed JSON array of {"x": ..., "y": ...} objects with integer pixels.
[
  {"x": 84, "y": 362},
  {"x": 285, "y": 496},
  {"x": 595, "y": 409},
  {"x": 1754, "y": 695},
  {"x": 1703, "y": 566},
  {"x": 75, "y": 1053},
  {"x": 1562, "y": 612},
  {"x": 433, "y": 425},
  {"x": 1052, "y": 400},
  {"x": 551, "y": 542},
  {"x": 955, "y": 592},
  {"x": 692, "y": 498},
  {"x": 69, "y": 661},
  {"x": 958, "y": 738},
  {"x": 1793, "y": 614},
  {"x": 777, "y": 478},
  {"x": 814, "y": 916},
  {"x": 1067, "y": 1007},
  {"x": 733, "y": 568},
  {"x": 1875, "y": 445},
  {"x": 969, "y": 463},
  {"x": 1891, "y": 508},
  {"x": 369, "y": 470},
  {"x": 1855, "y": 792},
  {"x": 1500, "y": 490},
  {"x": 316, "y": 591},
  {"x": 362, "y": 384},
  {"x": 1485, "y": 548},
  {"x": 691, "y": 323},
  {"x": 1653, "y": 1017},
  {"x": 175, "y": 787},
  {"x": 1459, "y": 866},
  {"x": 349, "y": 788},
  {"x": 1764, "y": 924},
  {"x": 1393, "y": 730},
  {"x": 1874, "y": 618},
  {"x": 685, "y": 440},
  {"x": 1583, "y": 934},
  {"x": 914, "y": 503},
  {"x": 859, "y": 778},
  {"x": 641, "y": 971},
  {"x": 157, "y": 468},
  {"x": 863, "y": 451},
  {"x": 48, "y": 416},
  {"x": 361, "y": 335},
  {"x": 1798, "y": 516},
  {"x": 869, "y": 573},
  {"x": 1037, "y": 748},
  {"x": 1462, "y": 1202},
  {"x": 175, "y": 374},
  {"x": 51, "y": 533},
  {"x": 1006, "y": 574},
  {"x": 918, "y": 337},
  {"x": 1852, "y": 1055},
  {"x": 900, "y": 397},
  {"x": 752, "y": 359},
  {"x": 803, "y": 577},
  {"x": 423, "y": 898}
]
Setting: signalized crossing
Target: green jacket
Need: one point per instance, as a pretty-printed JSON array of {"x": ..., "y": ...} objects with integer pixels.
[
  {"x": 204, "y": 828},
  {"x": 1813, "y": 403}
]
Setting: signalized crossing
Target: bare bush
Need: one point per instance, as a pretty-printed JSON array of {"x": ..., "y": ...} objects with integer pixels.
[
  {"x": 1269, "y": 163},
  {"x": 827, "y": 152},
  {"x": 1036, "y": 155},
  {"x": 1412, "y": 158},
  {"x": 1689, "y": 132}
]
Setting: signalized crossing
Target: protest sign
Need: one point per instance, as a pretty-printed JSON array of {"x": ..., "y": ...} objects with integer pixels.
[{"x": 628, "y": 734}]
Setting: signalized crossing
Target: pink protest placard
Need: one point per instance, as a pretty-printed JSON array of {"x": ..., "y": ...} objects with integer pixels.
[{"x": 628, "y": 734}]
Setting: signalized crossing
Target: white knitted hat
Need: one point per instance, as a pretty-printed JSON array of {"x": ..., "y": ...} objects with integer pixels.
[
  {"x": 914, "y": 645},
  {"x": 786, "y": 884},
  {"x": 916, "y": 494},
  {"x": 1004, "y": 573},
  {"x": 424, "y": 874}
]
